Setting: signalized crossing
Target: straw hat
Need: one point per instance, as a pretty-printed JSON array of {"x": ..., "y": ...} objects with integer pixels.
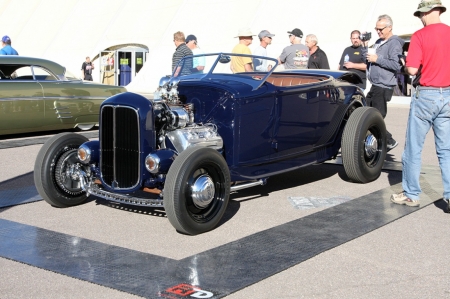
[{"x": 245, "y": 32}]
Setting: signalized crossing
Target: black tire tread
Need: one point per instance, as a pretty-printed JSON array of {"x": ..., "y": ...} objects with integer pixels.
[
  {"x": 172, "y": 186},
  {"x": 44, "y": 184},
  {"x": 350, "y": 145}
]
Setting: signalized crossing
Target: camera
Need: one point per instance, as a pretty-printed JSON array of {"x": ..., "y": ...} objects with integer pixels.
[{"x": 365, "y": 36}]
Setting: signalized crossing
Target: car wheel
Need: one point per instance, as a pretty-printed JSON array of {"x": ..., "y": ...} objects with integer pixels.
[
  {"x": 54, "y": 174},
  {"x": 363, "y": 145},
  {"x": 197, "y": 190},
  {"x": 85, "y": 127}
]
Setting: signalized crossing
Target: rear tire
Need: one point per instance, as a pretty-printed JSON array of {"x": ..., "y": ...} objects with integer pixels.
[
  {"x": 54, "y": 180},
  {"x": 363, "y": 145}
]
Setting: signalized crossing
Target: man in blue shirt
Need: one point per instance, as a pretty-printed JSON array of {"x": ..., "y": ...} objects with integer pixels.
[{"x": 6, "y": 47}]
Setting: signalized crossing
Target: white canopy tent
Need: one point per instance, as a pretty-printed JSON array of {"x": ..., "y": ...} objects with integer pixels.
[{"x": 68, "y": 31}]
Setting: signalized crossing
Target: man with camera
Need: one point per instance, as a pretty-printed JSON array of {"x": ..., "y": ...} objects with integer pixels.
[
  {"x": 353, "y": 60},
  {"x": 383, "y": 63}
]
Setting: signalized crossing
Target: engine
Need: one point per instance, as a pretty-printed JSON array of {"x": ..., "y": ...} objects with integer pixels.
[{"x": 175, "y": 124}]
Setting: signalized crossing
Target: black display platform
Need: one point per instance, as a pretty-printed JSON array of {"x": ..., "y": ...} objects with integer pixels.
[{"x": 216, "y": 272}]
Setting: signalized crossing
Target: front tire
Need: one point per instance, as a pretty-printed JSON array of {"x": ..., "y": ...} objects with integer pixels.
[
  {"x": 54, "y": 178},
  {"x": 197, "y": 190},
  {"x": 363, "y": 145}
]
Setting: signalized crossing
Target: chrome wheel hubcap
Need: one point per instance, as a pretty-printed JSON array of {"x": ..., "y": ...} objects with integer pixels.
[
  {"x": 370, "y": 146},
  {"x": 203, "y": 191}
]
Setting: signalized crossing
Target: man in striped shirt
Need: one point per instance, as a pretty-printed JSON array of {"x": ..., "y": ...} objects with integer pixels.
[{"x": 181, "y": 51}]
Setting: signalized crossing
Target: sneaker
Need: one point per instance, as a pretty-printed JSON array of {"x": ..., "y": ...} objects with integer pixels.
[
  {"x": 448, "y": 205},
  {"x": 401, "y": 199},
  {"x": 391, "y": 144}
]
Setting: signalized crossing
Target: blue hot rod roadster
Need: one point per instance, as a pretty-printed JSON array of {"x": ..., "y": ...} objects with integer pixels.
[{"x": 208, "y": 133}]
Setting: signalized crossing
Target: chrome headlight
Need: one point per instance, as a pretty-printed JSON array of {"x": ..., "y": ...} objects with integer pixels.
[
  {"x": 84, "y": 154},
  {"x": 152, "y": 163}
]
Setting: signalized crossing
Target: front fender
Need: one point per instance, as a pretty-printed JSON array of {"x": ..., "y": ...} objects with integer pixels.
[{"x": 160, "y": 161}]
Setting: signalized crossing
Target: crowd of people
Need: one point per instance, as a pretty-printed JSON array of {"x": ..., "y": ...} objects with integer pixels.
[{"x": 294, "y": 56}]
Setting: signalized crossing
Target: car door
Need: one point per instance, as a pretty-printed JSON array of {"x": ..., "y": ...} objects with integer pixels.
[
  {"x": 255, "y": 126},
  {"x": 297, "y": 118},
  {"x": 21, "y": 103}
]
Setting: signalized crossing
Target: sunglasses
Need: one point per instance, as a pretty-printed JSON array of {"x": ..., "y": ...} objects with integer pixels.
[{"x": 380, "y": 29}]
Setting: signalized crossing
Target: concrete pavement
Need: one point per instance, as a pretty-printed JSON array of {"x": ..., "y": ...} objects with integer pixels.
[{"x": 407, "y": 258}]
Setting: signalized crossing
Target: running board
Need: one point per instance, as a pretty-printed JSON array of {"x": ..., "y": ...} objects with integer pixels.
[{"x": 248, "y": 185}]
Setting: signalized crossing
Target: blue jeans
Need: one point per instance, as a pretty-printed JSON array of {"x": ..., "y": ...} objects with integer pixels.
[{"x": 430, "y": 107}]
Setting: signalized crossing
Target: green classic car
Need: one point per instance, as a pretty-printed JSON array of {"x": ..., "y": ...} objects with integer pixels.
[{"x": 40, "y": 95}]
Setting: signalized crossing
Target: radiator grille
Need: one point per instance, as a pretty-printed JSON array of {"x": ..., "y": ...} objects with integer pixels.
[{"x": 119, "y": 145}]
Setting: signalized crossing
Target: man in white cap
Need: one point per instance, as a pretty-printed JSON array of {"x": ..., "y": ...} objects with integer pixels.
[
  {"x": 430, "y": 102},
  {"x": 242, "y": 64},
  {"x": 265, "y": 38}
]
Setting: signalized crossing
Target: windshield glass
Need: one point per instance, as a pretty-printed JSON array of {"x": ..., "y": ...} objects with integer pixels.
[
  {"x": 70, "y": 76},
  {"x": 206, "y": 66}
]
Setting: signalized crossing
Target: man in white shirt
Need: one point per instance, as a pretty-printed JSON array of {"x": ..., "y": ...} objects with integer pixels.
[{"x": 265, "y": 38}]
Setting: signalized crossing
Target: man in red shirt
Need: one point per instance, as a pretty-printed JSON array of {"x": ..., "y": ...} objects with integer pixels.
[{"x": 430, "y": 103}]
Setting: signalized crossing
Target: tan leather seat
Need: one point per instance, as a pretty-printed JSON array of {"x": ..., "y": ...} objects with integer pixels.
[
  {"x": 284, "y": 81},
  {"x": 277, "y": 81}
]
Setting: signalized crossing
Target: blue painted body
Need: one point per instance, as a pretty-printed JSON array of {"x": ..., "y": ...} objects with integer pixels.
[
  {"x": 265, "y": 131},
  {"x": 272, "y": 129}
]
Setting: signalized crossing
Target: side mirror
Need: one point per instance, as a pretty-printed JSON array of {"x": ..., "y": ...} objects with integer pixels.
[{"x": 224, "y": 59}]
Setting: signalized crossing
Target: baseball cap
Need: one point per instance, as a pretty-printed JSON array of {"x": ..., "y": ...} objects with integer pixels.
[
  {"x": 6, "y": 39},
  {"x": 191, "y": 37},
  {"x": 297, "y": 32},
  {"x": 426, "y": 6},
  {"x": 265, "y": 33}
]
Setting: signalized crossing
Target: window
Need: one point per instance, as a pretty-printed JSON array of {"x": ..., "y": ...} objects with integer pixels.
[
  {"x": 42, "y": 74},
  {"x": 23, "y": 73},
  {"x": 34, "y": 73}
]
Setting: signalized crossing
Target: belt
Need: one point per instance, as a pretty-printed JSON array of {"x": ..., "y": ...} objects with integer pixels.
[{"x": 433, "y": 88}]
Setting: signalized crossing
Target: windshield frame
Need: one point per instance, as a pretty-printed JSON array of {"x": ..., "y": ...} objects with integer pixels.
[{"x": 224, "y": 58}]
